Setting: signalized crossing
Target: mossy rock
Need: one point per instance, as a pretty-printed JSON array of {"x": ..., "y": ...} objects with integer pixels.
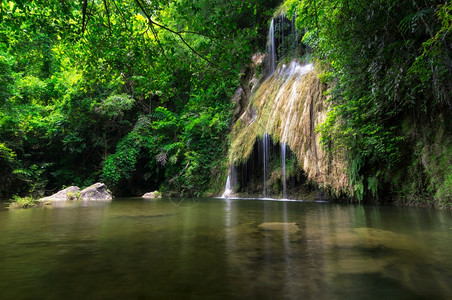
[{"x": 279, "y": 226}]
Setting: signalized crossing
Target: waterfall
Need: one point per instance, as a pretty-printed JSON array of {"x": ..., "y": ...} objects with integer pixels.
[
  {"x": 283, "y": 167},
  {"x": 290, "y": 75},
  {"x": 287, "y": 80},
  {"x": 230, "y": 183},
  {"x": 277, "y": 110},
  {"x": 266, "y": 159},
  {"x": 271, "y": 51},
  {"x": 285, "y": 105},
  {"x": 297, "y": 71},
  {"x": 282, "y": 41}
]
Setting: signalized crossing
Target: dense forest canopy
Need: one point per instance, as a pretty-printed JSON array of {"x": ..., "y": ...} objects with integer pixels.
[
  {"x": 390, "y": 66},
  {"x": 136, "y": 93},
  {"x": 120, "y": 91}
]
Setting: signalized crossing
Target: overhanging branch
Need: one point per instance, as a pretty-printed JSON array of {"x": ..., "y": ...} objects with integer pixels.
[
  {"x": 85, "y": 5},
  {"x": 178, "y": 34}
]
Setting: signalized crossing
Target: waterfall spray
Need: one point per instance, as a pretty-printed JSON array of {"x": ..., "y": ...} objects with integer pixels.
[
  {"x": 283, "y": 164},
  {"x": 230, "y": 183},
  {"x": 266, "y": 159},
  {"x": 271, "y": 51},
  {"x": 286, "y": 82}
]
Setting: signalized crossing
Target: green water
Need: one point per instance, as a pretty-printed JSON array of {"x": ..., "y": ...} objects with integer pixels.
[{"x": 213, "y": 249}]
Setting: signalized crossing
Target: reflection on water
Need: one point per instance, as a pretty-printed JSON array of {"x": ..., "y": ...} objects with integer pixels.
[{"x": 223, "y": 249}]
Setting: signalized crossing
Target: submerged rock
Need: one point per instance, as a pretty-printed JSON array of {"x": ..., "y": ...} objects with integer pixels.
[
  {"x": 70, "y": 193},
  {"x": 152, "y": 195},
  {"x": 97, "y": 191},
  {"x": 279, "y": 226}
]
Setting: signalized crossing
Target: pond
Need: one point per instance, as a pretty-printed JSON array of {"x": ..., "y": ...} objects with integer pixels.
[{"x": 224, "y": 249}]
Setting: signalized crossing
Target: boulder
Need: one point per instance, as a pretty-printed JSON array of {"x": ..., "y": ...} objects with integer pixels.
[
  {"x": 279, "y": 226},
  {"x": 152, "y": 195},
  {"x": 70, "y": 193},
  {"x": 97, "y": 191}
]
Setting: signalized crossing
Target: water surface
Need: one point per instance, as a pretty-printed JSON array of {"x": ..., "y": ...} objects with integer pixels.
[{"x": 214, "y": 249}]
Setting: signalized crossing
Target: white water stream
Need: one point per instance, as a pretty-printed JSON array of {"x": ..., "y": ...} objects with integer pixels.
[
  {"x": 230, "y": 183},
  {"x": 286, "y": 75}
]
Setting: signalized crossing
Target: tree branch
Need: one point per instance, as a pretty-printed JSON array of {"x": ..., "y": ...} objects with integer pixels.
[
  {"x": 108, "y": 15},
  {"x": 88, "y": 14},
  {"x": 178, "y": 34},
  {"x": 85, "y": 5},
  {"x": 154, "y": 33},
  {"x": 122, "y": 15}
]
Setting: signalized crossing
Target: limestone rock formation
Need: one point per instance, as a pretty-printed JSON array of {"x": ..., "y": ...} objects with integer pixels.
[
  {"x": 152, "y": 195},
  {"x": 97, "y": 191},
  {"x": 289, "y": 106},
  {"x": 249, "y": 80},
  {"x": 70, "y": 193}
]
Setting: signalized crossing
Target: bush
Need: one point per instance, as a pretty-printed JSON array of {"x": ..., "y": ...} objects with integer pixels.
[{"x": 22, "y": 202}]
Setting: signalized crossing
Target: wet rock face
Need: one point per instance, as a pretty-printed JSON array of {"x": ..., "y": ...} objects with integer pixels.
[
  {"x": 97, "y": 191},
  {"x": 288, "y": 106},
  {"x": 249, "y": 79},
  {"x": 70, "y": 193}
]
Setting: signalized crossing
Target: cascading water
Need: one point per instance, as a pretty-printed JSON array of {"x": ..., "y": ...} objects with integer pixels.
[
  {"x": 266, "y": 159},
  {"x": 283, "y": 167},
  {"x": 274, "y": 53},
  {"x": 278, "y": 104},
  {"x": 282, "y": 41},
  {"x": 230, "y": 183},
  {"x": 271, "y": 51},
  {"x": 291, "y": 76},
  {"x": 297, "y": 71}
]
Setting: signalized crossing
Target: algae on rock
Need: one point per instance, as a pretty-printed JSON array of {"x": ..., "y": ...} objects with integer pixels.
[{"x": 288, "y": 106}]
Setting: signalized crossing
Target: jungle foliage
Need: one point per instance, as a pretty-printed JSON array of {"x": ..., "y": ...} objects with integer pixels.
[
  {"x": 131, "y": 92},
  {"x": 390, "y": 66},
  {"x": 136, "y": 93}
]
